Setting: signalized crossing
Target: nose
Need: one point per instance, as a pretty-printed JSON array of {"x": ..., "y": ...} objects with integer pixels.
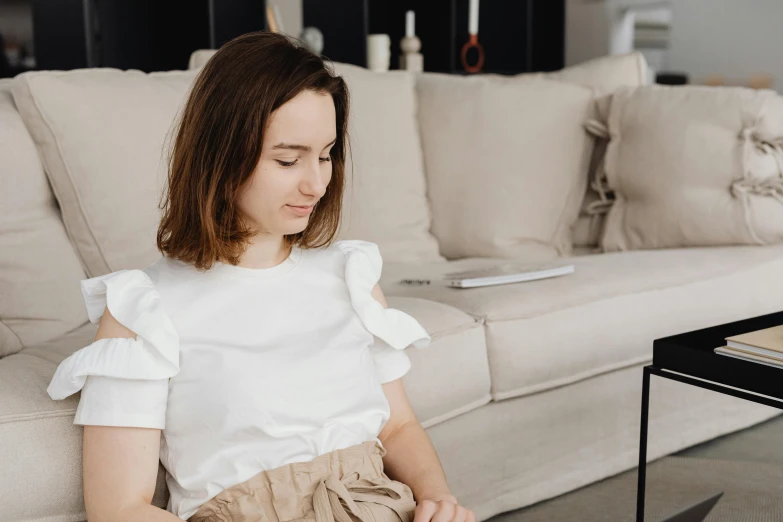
[{"x": 315, "y": 179}]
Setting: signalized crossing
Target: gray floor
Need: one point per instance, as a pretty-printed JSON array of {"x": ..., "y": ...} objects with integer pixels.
[
  {"x": 760, "y": 447},
  {"x": 761, "y": 443}
]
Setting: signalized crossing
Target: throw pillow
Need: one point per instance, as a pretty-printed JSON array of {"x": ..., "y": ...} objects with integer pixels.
[{"x": 694, "y": 166}]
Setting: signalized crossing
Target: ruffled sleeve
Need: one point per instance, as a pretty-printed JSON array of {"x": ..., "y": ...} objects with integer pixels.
[
  {"x": 394, "y": 330},
  {"x": 124, "y": 382}
]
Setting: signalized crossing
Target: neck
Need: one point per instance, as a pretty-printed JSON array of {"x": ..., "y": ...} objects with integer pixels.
[{"x": 265, "y": 252}]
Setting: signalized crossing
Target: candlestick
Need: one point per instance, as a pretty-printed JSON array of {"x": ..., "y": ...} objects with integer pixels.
[
  {"x": 378, "y": 52},
  {"x": 410, "y": 24},
  {"x": 410, "y": 58},
  {"x": 473, "y": 17}
]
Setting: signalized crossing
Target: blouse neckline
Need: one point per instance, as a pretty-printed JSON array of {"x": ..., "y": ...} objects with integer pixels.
[{"x": 260, "y": 273}]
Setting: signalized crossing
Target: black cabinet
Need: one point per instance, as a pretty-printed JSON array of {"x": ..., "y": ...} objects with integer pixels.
[
  {"x": 517, "y": 35},
  {"x": 149, "y": 35}
]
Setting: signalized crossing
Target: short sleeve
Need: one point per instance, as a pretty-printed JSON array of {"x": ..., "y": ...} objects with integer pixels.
[
  {"x": 124, "y": 382},
  {"x": 394, "y": 330},
  {"x": 390, "y": 363}
]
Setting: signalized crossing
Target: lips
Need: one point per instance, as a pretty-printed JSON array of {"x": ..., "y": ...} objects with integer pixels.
[{"x": 300, "y": 210}]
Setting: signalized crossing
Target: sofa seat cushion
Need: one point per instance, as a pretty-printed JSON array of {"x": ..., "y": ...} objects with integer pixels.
[
  {"x": 42, "y": 448},
  {"x": 451, "y": 375},
  {"x": 553, "y": 332}
]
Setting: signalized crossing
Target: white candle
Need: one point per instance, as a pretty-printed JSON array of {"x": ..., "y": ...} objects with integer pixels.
[
  {"x": 410, "y": 24},
  {"x": 473, "y": 17}
]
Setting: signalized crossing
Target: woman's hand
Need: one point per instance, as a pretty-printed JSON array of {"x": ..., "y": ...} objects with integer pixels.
[{"x": 442, "y": 508}]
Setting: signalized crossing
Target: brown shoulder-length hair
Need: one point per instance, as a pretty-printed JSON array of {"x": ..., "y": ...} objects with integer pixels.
[{"x": 218, "y": 145}]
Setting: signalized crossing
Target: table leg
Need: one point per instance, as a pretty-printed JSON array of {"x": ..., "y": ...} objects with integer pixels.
[{"x": 643, "y": 446}]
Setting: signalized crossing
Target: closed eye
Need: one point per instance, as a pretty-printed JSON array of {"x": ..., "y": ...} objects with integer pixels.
[{"x": 292, "y": 163}]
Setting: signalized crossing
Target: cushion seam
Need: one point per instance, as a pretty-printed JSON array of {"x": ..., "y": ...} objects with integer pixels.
[
  {"x": 16, "y": 336},
  {"x": 27, "y": 84},
  {"x": 81, "y": 517},
  {"x": 458, "y": 329},
  {"x": 77, "y": 196},
  {"x": 437, "y": 419},
  {"x": 22, "y": 417},
  {"x": 640, "y": 69},
  {"x": 572, "y": 379}
]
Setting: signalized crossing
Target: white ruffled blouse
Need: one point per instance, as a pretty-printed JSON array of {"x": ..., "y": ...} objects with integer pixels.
[{"x": 243, "y": 369}]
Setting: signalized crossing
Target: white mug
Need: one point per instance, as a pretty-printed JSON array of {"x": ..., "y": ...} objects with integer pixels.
[{"x": 378, "y": 52}]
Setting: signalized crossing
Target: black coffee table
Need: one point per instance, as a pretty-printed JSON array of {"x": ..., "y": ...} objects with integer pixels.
[{"x": 689, "y": 358}]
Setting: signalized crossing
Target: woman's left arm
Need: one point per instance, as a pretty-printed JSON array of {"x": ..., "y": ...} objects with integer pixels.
[{"x": 411, "y": 457}]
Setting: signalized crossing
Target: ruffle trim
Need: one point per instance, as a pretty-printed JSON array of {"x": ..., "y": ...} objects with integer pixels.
[
  {"x": 363, "y": 264},
  {"x": 133, "y": 300}
]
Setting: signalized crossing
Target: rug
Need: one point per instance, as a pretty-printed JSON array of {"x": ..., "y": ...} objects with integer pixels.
[{"x": 753, "y": 492}]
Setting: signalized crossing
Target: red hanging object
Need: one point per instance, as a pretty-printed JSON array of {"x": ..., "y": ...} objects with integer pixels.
[{"x": 473, "y": 43}]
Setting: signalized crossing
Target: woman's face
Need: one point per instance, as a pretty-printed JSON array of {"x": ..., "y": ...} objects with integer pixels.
[{"x": 295, "y": 166}]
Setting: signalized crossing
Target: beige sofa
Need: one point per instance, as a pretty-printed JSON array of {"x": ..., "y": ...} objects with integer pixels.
[{"x": 528, "y": 390}]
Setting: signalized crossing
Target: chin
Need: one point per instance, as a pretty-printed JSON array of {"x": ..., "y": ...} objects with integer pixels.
[{"x": 296, "y": 227}]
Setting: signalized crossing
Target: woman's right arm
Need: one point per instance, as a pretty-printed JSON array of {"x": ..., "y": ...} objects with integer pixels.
[{"x": 120, "y": 464}]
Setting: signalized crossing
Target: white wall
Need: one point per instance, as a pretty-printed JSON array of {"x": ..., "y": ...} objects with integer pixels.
[
  {"x": 733, "y": 38},
  {"x": 587, "y": 31},
  {"x": 291, "y": 13}
]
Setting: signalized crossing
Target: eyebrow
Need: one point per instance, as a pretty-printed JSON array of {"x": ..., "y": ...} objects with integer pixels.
[{"x": 304, "y": 148}]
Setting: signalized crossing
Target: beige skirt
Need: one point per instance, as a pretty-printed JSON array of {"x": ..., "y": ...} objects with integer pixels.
[{"x": 346, "y": 485}]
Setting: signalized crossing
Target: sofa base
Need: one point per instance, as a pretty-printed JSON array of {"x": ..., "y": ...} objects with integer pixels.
[{"x": 517, "y": 452}]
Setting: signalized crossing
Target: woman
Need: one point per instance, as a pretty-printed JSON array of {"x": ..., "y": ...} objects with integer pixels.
[{"x": 258, "y": 346}]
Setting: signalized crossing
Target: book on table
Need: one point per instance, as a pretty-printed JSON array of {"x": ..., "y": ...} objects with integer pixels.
[
  {"x": 761, "y": 346},
  {"x": 745, "y": 356}
]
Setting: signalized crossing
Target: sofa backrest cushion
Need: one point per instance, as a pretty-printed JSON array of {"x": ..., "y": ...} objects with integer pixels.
[
  {"x": 101, "y": 135},
  {"x": 386, "y": 193},
  {"x": 39, "y": 269},
  {"x": 506, "y": 161},
  {"x": 606, "y": 74},
  {"x": 104, "y": 137}
]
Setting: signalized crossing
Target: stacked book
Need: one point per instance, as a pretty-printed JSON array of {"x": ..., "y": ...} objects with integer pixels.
[{"x": 762, "y": 346}]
